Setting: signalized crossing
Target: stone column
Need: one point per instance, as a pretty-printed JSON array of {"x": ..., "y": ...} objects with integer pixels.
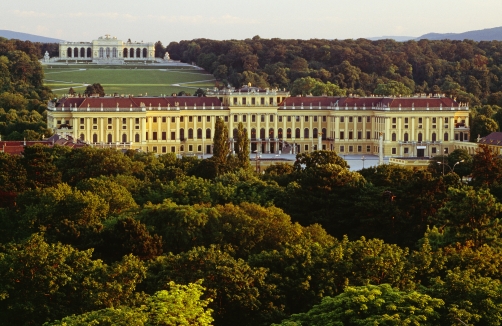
[
  {"x": 101, "y": 130},
  {"x": 88, "y": 128},
  {"x": 143, "y": 130}
]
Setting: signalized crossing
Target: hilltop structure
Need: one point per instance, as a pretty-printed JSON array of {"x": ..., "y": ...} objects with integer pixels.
[
  {"x": 107, "y": 50},
  {"x": 275, "y": 122}
]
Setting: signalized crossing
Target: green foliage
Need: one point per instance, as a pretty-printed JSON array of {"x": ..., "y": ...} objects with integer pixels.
[
  {"x": 470, "y": 214},
  {"x": 392, "y": 88},
  {"x": 94, "y": 90},
  {"x": 180, "y": 305},
  {"x": 43, "y": 281},
  {"x": 242, "y": 146},
  {"x": 238, "y": 291},
  {"x": 220, "y": 145},
  {"x": 372, "y": 305},
  {"x": 116, "y": 196},
  {"x": 65, "y": 214}
]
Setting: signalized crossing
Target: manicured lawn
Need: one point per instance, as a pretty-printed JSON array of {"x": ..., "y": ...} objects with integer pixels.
[{"x": 133, "y": 80}]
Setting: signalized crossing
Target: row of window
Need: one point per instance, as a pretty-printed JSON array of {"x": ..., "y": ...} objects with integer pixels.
[{"x": 420, "y": 137}]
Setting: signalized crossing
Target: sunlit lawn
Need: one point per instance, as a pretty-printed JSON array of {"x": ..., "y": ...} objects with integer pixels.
[{"x": 134, "y": 80}]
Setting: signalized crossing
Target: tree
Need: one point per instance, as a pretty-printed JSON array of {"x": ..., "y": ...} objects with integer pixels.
[
  {"x": 486, "y": 167},
  {"x": 242, "y": 146},
  {"x": 392, "y": 88},
  {"x": 94, "y": 90},
  {"x": 371, "y": 305},
  {"x": 160, "y": 50},
  {"x": 238, "y": 292},
  {"x": 470, "y": 214},
  {"x": 220, "y": 145},
  {"x": 43, "y": 281},
  {"x": 129, "y": 236},
  {"x": 41, "y": 170},
  {"x": 482, "y": 126},
  {"x": 116, "y": 196},
  {"x": 180, "y": 305},
  {"x": 200, "y": 92}
]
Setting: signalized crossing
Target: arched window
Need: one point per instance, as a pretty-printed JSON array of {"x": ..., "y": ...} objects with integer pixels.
[
  {"x": 306, "y": 133},
  {"x": 271, "y": 133},
  {"x": 136, "y": 138},
  {"x": 234, "y": 133},
  {"x": 190, "y": 133},
  {"x": 433, "y": 136},
  {"x": 82, "y": 137},
  {"x": 109, "y": 138},
  {"x": 138, "y": 53},
  {"x": 114, "y": 52},
  {"x": 124, "y": 138},
  {"x": 145, "y": 53},
  {"x": 199, "y": 133},
  {"x": 82, "y": 52},
  {"x": 68, "y": 53},
  {"x": 393, "y": 136},
  {"x": 279, "y": 133},
  {"x": 182, "y": 134},
  {"x": 405, "y": 136},
  {"x": 131, "y": 53},
  {"x": 262, "y": 133},
  {"x": 324, "y": 134},
  {"x": 124, "y": 54},
  {"x": 314, "y": 133},
  {"x": 107, "y": 52},
  {"x": 95, "y": 138},
  {"x": 89, "y": 52},
  {"x": 75, "y": 52},
  {"x": 419, "y": 136},
  {"x": 445, "y": 136},
  {"x": 101, "y": 52},
  {"x": 288, "y": 133},
  {"x": 182, "y": 148},
  {"x": 253, "y": 133},
  {"x": 208, "y": 133},
  {"x": 297, "y": 133}
]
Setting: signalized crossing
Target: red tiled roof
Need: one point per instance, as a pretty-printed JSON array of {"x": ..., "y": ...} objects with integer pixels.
[
  {"x": 495, "y": 138},
  {"x": 135, "y": 102},
  {"x": 16, "y": 147},
  {"x": 407, "y": 102}
]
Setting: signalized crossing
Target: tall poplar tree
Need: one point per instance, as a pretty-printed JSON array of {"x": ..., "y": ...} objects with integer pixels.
[
  {"x": 220, "y": 144},
  {"x": 242, "y": 146}
]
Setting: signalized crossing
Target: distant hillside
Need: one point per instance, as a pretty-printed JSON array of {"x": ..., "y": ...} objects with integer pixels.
[
  {"x": 489, "y": 34},
  {"x": 27, "y": 37},
  {"x": 395, "y": 38}
]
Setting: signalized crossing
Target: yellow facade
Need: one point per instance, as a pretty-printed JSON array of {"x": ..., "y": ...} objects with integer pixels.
[{"x": 274, "y": 121}]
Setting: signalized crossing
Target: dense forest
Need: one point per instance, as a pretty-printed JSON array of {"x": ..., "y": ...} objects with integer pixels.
[
  {"x": 470, "y": 71},
  {"x": 23, "y": 98},
  {"x": 96, "y": 236},
  {"x": 126, "y": 235}
]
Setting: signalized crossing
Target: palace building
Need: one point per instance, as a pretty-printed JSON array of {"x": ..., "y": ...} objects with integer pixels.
[
  {"x": 274, "y": 121},
  {"x": 107, "y": 50}
]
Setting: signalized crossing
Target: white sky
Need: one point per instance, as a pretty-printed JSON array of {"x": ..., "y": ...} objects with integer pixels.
[{"x": 167, "y": 20}]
